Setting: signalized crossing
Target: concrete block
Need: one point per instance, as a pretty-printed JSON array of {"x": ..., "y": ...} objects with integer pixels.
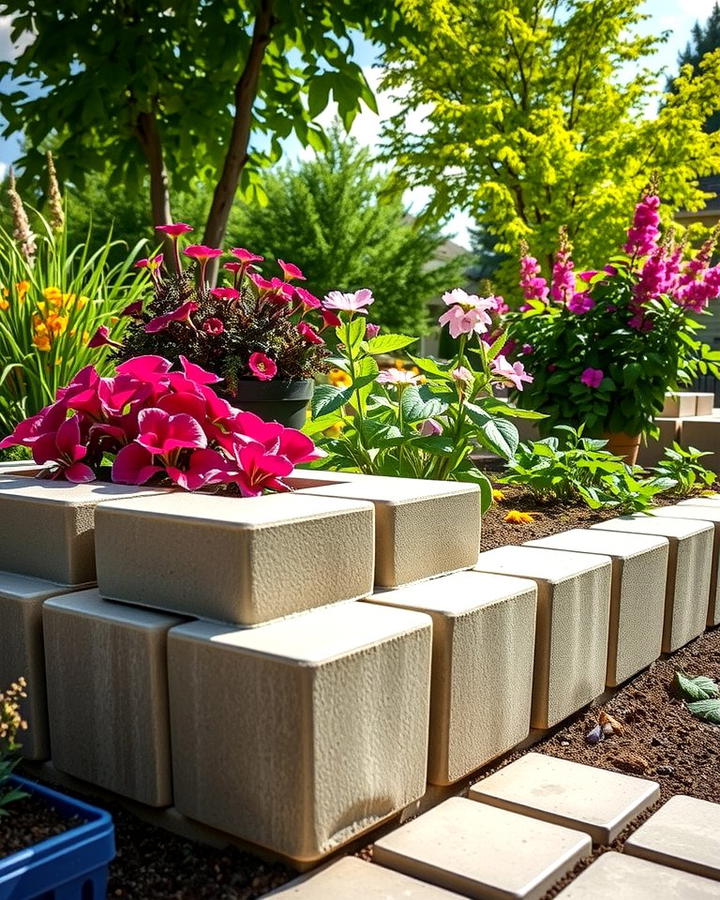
[
  {"x": 352, "y": 879},
  {"x": 627, "y": 877},
  {"x": 703, "y": 433},
  {"x": 653, "y": 451},
  {"x": 47, "y": 527},
  {"x": 483, "y": 648},
  {"x": 704, "y": 404},
  {"x": 680, "y": 404},
  {"x": 422, "y": 528},
  {"x": 108, "y": 696},
  {"x": 571, "y": 637},
  {"x": 684, "y": 834},
  {"x": 483, "y": 852},
  {"x": 301, "y": 734},
  {"x": 637, "y": 599},
  {"x": 596, "y": 801},
  {"x": 22, "y": 653},
  {"x": 702, "y": 513},
  {"x": 18, "y": 467},
  {"x": 236, "y": 560},
  {"x": 689, "y": 569}
]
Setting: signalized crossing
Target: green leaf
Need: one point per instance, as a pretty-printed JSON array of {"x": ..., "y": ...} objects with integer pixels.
[
  {"x": 700, "y": 688},
  {"x": 473, "y": 475},
  {"x": 327, "y": 399},
  {"x": 427, "y": 364},
  {"x": 315, "y": 426},
  {"x": 353, "y": 333},
  {"x": 386, "y": 343},
  {"x": 500, "y": 436},
  {"x": 415, "y": 409},
  {"x": 707, "y": 710}
]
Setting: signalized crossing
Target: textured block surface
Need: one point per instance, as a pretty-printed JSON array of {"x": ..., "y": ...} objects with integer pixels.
[
  {"x": 352, "y": 879},
  {"x": 684, "y": 834},
  {"x": 480, "y": 851},
  {"x": 22, "y": 654},
  {"x": 629, "y": 878},
  {"x": 61, "y": 517},
  {"x": 571, "y": 636},
  {"x": 483, "y": 647},
  {"x": 237, "y": 560},
  {"x": 637, "y": 603},
  {"x": 652, "y": 452},
  {"x": 596, "y": 801},
  {"x": 422, "y": 528},
  {"x": 703, "y": 432},
  {"x": 107, "y": 694},
  {"x": 704, "y": 404},
  {"x": 689, "y": 571},
  {"x": 301, "y": 734},
  {"x": 680, "y": 405}
]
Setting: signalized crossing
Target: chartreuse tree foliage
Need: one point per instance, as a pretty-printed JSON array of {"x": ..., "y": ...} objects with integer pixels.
[
  {"x": 703, "y": 39},
  {"x": 193, "y": 88},
  {"x": 538, "y": 117}
]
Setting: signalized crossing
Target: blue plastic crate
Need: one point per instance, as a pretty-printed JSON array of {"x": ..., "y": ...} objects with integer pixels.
[{"x": 69, "y": 866}]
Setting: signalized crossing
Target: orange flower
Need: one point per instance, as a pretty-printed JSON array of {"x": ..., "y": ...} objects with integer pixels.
[
  {"x": 497, "y": 495},
  {"x": 22, "y": 287},
  {"x": 338, "y": 378},
  {"x": 519, "y": 518},
  {"x": 399, "y": 364},
  {"x": 42, "y": 341},
  {"x": 56, "y": 323},
  {"x": 3, "y": 302}
]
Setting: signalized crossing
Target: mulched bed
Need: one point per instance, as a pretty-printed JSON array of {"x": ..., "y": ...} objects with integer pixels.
[{"x": 30, "y": 821}]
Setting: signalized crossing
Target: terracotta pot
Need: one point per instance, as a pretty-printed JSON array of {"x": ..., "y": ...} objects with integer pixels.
[
  {"x": 280, "y": 401},
  {"x": 625, "y": 445}
]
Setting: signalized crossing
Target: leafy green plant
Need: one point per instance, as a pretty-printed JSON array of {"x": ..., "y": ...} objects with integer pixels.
[
  {"x": 701, "y": 694},
  {"x": 684, "y": 468},
  {"x": 11, "y": 723}
]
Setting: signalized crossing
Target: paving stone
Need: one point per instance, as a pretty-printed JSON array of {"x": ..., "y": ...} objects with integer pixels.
[
  {"x": 480, "y": 851},
  {"x": 423, "y": 528},
  {"x": 571, "y": 636},
  {"x": 61, "y": 517},
  {"x": 650, "y": 453},
  {"x": 689, "y": 571},
  {"x": 684, "y": 834},
  {"x": 703, "y": 513},
  {"x": 625, "y": 877},
  {"x": 301, "y": 734},
  {"x": 352, "y": 879},
  {"x": 703, "y": 432},
  {"x": 108, "y": 695},
  {"x": 236, "y": 560},
  {"x": 637, "y": 600},
  {"x": 22, "y": 653},
  {"x": 679, "y": 404},
  {"x": 596, "y": 801},
  {"x": 483, "y": 647}
]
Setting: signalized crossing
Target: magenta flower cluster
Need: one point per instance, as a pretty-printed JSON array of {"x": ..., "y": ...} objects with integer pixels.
[{"x": 161, "y": 425}]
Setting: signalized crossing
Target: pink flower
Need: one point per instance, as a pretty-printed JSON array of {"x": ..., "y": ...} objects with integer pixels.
[
  {"x": 308, "y": 300},
  {"x": 213, "y": 326},
  {"x": 562, "y": 287},
  {"x": 161, "y": 433},
  {"x": 181, "y": 314},
  {"x": 532, "y": 283},
  {"x": 399, "y": 378},
  {"x": 201, "y": 252},
  {"x": 330, "y": 319},
  {"x": 592, "y": 377},
  {"x": 352, "y": 303},
  {"x": 64, "y": 449},
  {"x": 371, "y": 331},
  {"x": 461, "y": 322},
  {"x": 175, "y": 229},
  {"x": 501, "y": 306},
  {"x": 203, "y": 467},
  {"x": 526, "y": 349},
  {"x": 464, "y": 377},
  {"x": 133, "y": 309},
  {"x": 234, "y": 267},
  {"x": 133, "y": 465},
  {"x": 511, "y": 373},
  {"x": 291, "y": 272},
  {"x": 309, "y": 334},
  {"x": 430, "y": 427},
  {"x": 589, "y": 275},
  {"x": 257, "y": 469},
  {"x": 245, "y": 256},
  {"x": 154, "y": 262},
  {"x": 101, "y": 338},
  {"x": 262, "y": 366},
  {"x": 225, "y": 293},
  {"x": 580, "y": 303},
  {"x": 643, "y": 234},
  {"x": 196, "y": 373}
]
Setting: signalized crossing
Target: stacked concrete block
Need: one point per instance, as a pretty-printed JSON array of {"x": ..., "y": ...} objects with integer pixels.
[
  {"x": 637, "y": 600},
  {"x": 422, "y": 528},
  {"x": 652, "y": 452},
  {"x": 300, "y": 734},
  {"x": 689, "y": 569},
  {"x": 679, "y": 405},
  {"x": 571, "y": 638},
  {"x": 703, "y": 433},
  {"x": 483, "y": 647}
]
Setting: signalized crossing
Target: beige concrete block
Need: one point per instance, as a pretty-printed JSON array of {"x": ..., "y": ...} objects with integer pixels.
[
  {"x": 22, "y": 654},
  {"x": 652, "y": 452},
  {"x": 703, "y": 433},
  {"x": 422, "y": 528},
  {"x": 702, "y": 513},
  {"x": 630, "y": 878},
  {"x": 303, "y": 733},
  {"x": 596, "y": 801},
  {"x": 689, "y": 569},
  {"x": 684, "y": 834},
  {"x": 483, "y": 648},
  {"x": 571, "y": 637},
  {"x": 680, "y": 404},
  {"x": 237, "y": 560},
  {"x": 637, "y": 599},
  {"x": 704, "y": 404},
  {"x": 108, "y": 696},
  {"x": 20, "y": 467},
  {"x": 47, "y": 527},
  {"x": 483, "y": 852},
  {"x": 352, "y": 879}
]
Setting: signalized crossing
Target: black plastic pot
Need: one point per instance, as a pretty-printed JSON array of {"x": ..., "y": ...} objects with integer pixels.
[{"x": 275, "y": 401}]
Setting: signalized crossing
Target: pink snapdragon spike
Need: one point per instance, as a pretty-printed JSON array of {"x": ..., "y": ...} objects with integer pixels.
[
  {"x": 308, "y": 333},
  {"x": 225, "y": 293},
  {"x": 371, "y": 331},
  {"x": 290, "y": 271},
  {"x": 643, "y": 234},
  {"x": 501, "y": 306},
  {"x": 174, "y": 229},
  {"x": 262, "y": 367},
  {"x": 580, "y": 303},
  {"x": 562, "y": 287},
  {"x": 511, "y": 373},
  {"x": 351, "y": 303},
  {"x": 398, "y": 378},
  {"x": 181, "y": 314},
  {"x": 592, "y": 377},
  {"x": 308, "y": 300},
  {"x": 213, "y": 326},
  {"x": 102, "y": 338},
  {"x": 63, "y": 448},
  {"x": 534, "y": 286}
]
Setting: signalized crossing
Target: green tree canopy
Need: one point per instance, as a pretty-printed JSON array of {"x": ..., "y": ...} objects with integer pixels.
[
  {"x": 537, "y": 117},
  {"x": 330, "y": 215}
]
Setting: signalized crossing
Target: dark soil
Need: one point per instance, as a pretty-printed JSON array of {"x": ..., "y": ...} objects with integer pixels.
[{"x": 28, "y": 822}]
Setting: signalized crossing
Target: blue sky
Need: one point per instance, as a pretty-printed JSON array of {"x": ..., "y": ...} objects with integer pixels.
[{"x": 674, "y": 16}]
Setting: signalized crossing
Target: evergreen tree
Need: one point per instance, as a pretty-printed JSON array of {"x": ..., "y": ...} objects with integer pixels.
[{"x": 704, "y": 39}]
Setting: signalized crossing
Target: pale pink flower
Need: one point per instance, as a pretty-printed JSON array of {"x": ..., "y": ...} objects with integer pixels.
[
  {"x": 511, "y": 373},
  {"x": 353, "y": 303},
  {"x": 397, "y": 377},
  {"x": 430, "y": 427}
]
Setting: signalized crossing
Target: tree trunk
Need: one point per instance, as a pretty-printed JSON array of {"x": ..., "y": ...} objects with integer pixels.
[
  {"x": 237, "y": 156},
  {"x": 149, "y": 137}
]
